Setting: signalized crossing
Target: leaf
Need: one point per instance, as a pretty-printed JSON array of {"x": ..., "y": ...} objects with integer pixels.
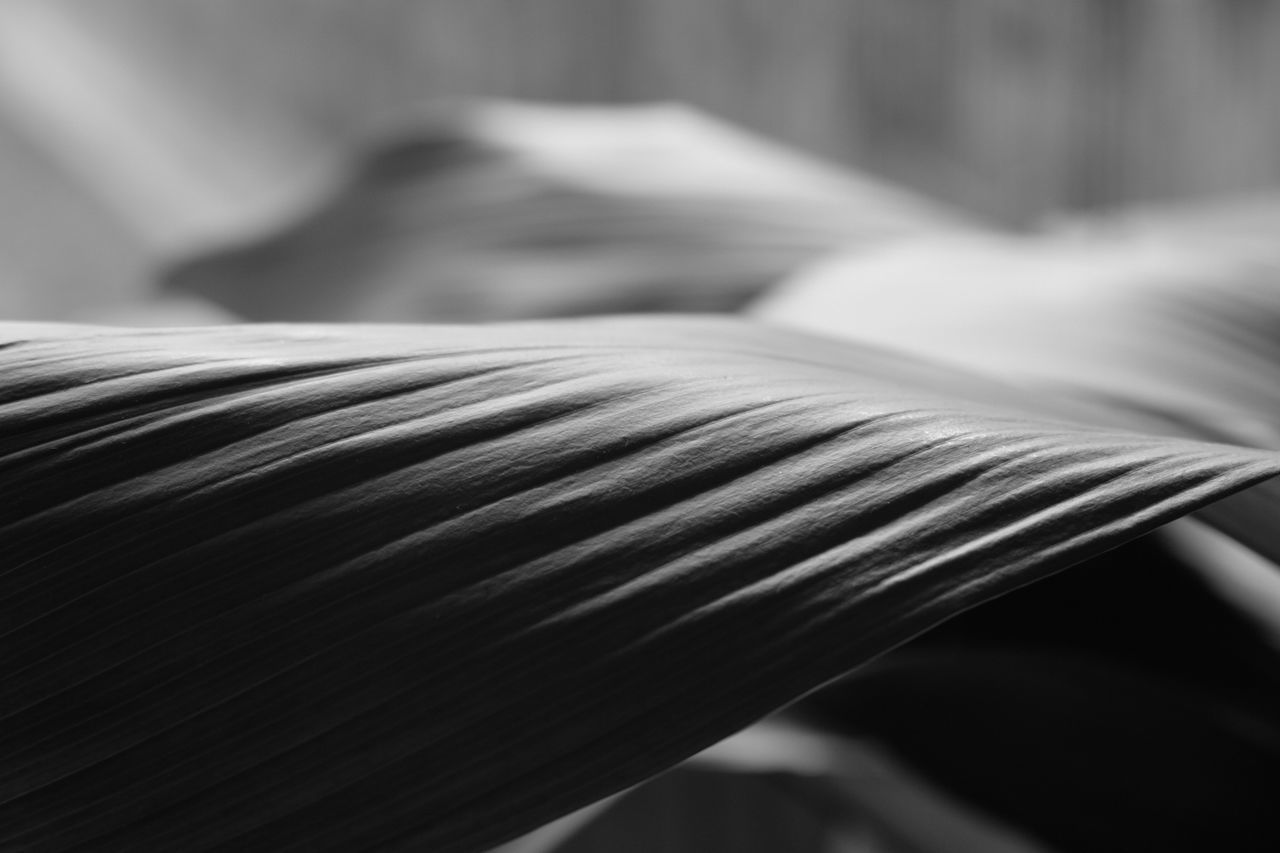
[
  {"x": 697, "y": 809},
  {"x": 1176, "y": 328},
  {"x": 1086, "y": 754},
  {"x": 1241, "y": 575},
  {"x": 490, "y": 210},
  {"x": 549, "y": 837},
  {"x": 345, "y": 588},
  {"x": 778, "y": 786},
  {"x": 181, "y": 157},
  {"x": 1228, "y": 223},
  {"x": 1160, "y": 616},
  {"x": 867, "y": 798},
  {"x": 1176, "y": 333}
]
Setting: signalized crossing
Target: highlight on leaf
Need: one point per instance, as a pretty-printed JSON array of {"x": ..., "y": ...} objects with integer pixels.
[
  {"x": 1168, "y": 330},
  {"x": 334, "y": 588}
]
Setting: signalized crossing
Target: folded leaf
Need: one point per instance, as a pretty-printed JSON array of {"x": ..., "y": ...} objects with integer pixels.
[
  {"x": 493, "y": 210},
  {"x": 1176, "y": 331},
  {"x": 347, "y": 588}
]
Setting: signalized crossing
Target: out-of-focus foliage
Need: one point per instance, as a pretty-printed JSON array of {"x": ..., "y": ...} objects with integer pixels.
[
  {"x": 1184, "y": 326},
  {"x": 1013, "y": 109},
  {"x": 704, "y": 806},
  {"x": 1176, "y": 332},
  {"x": 63, "y": 254},
  {"x": 487, "y": 211}
]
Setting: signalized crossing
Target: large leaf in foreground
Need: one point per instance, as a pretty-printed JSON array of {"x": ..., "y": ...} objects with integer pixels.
[{"x": 326, "y": 588}]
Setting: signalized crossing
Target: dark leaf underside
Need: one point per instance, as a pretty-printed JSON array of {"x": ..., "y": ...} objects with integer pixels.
[{"x": 1106, "y": 757}]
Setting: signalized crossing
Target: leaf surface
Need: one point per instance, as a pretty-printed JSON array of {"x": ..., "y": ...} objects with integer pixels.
[
  {"x": 346, "y": 588},
  {"x": 1174, "y": 328}
]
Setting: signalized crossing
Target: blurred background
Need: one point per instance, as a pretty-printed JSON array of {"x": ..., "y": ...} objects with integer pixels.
[{"x": 135, "y": 129}]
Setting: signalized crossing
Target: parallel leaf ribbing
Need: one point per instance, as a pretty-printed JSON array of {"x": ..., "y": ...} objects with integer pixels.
[{"x": 278, "y": 588}]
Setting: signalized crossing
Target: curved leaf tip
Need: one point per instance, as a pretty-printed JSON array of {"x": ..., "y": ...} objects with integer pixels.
[{"x": 341, "y": 588}]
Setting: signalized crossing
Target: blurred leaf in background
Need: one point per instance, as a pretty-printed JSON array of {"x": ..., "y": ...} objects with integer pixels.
[
  {"x": 1183, "y": 325},
  {"x": 179, "y": 158},
  {"x": 63, "y": 253},
  {"x": 1144, "y": 718},
  {"x": 490, "y": 210}
]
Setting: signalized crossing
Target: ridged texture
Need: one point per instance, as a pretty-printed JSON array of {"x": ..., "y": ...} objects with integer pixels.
[
  {"x": 402, "y": 588},
  {"x": 1175, "y": 328}
]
